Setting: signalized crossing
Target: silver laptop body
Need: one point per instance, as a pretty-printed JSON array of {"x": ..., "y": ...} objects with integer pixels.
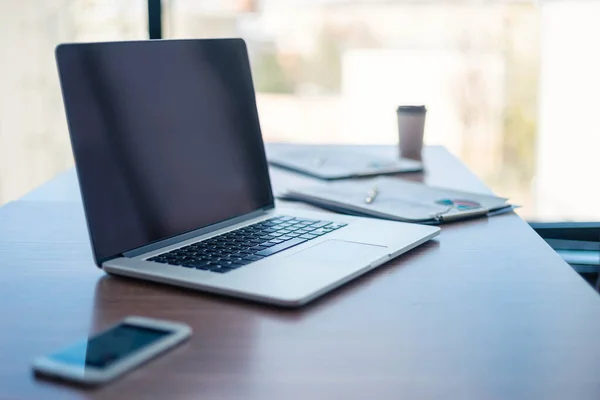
[{"x": 175, "y": 183}]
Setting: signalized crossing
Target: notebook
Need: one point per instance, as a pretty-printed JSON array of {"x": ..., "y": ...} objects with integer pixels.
[
  {"x": 332, "y": 162},
  {"x": 398, "y": 200}
]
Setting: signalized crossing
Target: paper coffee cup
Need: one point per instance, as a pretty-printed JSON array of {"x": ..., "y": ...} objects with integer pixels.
[{"x": 411, "y": 126}]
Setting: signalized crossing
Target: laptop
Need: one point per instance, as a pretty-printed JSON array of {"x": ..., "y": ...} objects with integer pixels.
[{"x": 175, "y": 182}]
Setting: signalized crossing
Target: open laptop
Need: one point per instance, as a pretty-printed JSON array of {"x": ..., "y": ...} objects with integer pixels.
[{"x": 175, "y": 184}]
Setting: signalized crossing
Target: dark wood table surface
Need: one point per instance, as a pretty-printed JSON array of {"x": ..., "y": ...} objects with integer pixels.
[{"x": 485, "y": 311}]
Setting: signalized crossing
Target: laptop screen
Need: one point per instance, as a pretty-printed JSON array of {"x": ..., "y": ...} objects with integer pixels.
[{"x": 165, "y": 135}]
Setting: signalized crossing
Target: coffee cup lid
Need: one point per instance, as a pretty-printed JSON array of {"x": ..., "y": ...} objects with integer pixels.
[{"x": 413, "y": 109}]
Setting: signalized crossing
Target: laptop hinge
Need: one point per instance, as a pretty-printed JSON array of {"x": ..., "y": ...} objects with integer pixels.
[{"x": 202, "y": 231}]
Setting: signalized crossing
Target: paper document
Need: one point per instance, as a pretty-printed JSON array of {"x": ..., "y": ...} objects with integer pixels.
[{"x": 398, "y": 199}]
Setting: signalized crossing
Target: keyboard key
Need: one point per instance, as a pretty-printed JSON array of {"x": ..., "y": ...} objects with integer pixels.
[
  {"x": 337, "y": 225},
  {"x": 285, "y": 237},
  {"x": 239, "y": 264},
  {"x": 312, "y": 221},
  {"x": 276, "y": 241},
  {"x": 280, "y": 247},
  {"x": 220, "y": 269},
  {"x": 252, "y": 258},
  {"x": 198, "y": 264},
  {"x": 180, "y": 263},
  {"x": 308, "y": 236},
  {"x": 257, "y": 248},
  {"x": 319, "y": 232},
  {"x": 320, "y": 224},
  {"x": 225, "y": 263}
]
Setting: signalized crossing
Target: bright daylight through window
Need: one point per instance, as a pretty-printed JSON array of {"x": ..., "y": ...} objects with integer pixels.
[{"x": 510, "y": 86}]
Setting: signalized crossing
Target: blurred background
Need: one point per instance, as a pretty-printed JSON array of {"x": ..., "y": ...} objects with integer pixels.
[{"x": 511, "y": 87}]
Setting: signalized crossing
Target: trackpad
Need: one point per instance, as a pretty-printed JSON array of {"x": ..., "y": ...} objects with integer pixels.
[
  {"x": 318, "y": 267},
  {"x": 334, "y": 252}
]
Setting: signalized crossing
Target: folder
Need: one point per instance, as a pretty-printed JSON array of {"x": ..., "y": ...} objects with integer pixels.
[{"x": 398, "y": 200}]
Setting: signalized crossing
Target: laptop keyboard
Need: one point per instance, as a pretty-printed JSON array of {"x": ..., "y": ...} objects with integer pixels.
[{"x": 246, "y": 245}]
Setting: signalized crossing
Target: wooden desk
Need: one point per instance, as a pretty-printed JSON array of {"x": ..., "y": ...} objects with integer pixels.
[{"x": 486, "y": 311}]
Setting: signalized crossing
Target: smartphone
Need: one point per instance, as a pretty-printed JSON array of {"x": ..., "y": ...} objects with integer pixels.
[{"x": 113, "y": 352}]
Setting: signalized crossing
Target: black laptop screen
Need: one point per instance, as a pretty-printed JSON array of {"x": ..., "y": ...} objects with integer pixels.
[{"x": 165, "y": 135}]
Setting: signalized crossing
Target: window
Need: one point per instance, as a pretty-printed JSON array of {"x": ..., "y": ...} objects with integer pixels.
[
  {"x": 511, "y": 86},
  {"x": 34, "y": 142},
  {"x": 493, "y": 74}
]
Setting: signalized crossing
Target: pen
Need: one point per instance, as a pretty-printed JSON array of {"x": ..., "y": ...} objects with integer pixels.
[{"x": 371, "y": 195}]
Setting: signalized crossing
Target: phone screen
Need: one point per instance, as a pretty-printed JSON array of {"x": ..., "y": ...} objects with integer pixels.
[{"x": 109, "y": 347}]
